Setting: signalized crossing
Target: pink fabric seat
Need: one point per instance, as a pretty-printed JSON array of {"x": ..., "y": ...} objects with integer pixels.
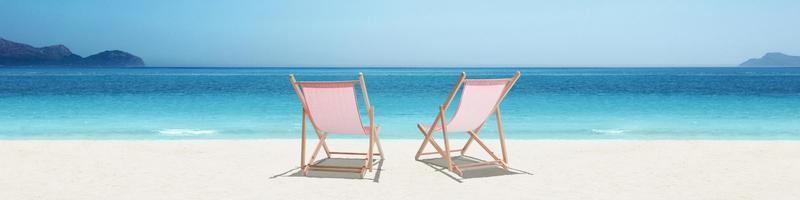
[
  {"x": 478, "y": 99},
  {"x": 333, "y": 107}
]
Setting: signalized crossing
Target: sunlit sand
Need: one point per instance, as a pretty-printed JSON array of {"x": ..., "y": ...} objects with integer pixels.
[{"x": 267, "y": 169}]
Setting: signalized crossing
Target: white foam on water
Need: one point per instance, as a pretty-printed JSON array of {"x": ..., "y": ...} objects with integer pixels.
[
  {"x": 186, "y": 132},
  {"x": 609, "y": 131}
]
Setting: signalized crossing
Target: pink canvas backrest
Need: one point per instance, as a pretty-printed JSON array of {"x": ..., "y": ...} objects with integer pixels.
[
  {"x": 478, "y": 100},
  {"x": 332, "y": 106}
]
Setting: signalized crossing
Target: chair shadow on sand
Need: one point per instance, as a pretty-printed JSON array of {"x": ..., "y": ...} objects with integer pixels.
[
  {"x": 345, "y": 162},
  {"x": 440, "y": 164}
]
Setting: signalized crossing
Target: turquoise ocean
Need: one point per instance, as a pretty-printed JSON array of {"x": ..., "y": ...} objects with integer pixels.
[{"x": 253, "y": 103}]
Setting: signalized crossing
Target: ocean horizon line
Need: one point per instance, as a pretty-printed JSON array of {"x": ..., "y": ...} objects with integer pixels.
[{"x": 400, "y": 67}]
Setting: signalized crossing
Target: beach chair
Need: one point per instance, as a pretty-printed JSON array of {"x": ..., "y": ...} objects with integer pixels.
[
  {"x": 331, "y": 108},
  {"x": 479, "y": 99}
]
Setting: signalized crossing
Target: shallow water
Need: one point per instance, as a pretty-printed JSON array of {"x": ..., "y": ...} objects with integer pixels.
[{"x": 546, "y": 103}]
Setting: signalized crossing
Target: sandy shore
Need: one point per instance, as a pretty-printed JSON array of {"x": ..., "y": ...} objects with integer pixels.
[{"x": 266, "y": 169}]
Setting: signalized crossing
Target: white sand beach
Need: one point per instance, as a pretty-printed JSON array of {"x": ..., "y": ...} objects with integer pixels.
[{"x": 267, "y": 169}]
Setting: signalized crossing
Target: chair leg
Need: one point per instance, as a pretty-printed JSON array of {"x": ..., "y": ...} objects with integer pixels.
[
  {"x": 369, "y": 153},
  {"x": 428, "y": 138},
  {"x": 486, "y": 148},
  {"x": 380, "y": 149},
  {"x": 316, "y": 149},
  {"x": 501, "y": 136},
  {"x": 447, "y": 151},
  {"x": 324, "y": 145},
  {"x": 424, "y": 142},
  {"x": 470, "y": 140},
  {"x": 313, "y": 157},
  {"x": 421, "y": 146},
  {"x": 466, "y": 145},
  {"x": 444, "y": 153},
  {"x": 303, "y": 143}
]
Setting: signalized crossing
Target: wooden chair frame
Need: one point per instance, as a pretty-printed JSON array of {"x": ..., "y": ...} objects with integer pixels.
[
  {"x": 312, "y": 163},
  {"x": 473, "y": 134}
]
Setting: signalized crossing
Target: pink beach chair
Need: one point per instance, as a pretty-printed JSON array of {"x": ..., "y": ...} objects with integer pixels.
[
  {"x": 479, "y": 99},
  {"x": 332, "y": 109}
]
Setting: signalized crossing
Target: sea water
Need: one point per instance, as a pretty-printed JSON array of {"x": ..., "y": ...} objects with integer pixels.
[{"x": 546, "y": 103}]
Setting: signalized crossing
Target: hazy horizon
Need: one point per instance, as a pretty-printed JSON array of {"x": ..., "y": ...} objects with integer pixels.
[{"x": 412, "y": 33}]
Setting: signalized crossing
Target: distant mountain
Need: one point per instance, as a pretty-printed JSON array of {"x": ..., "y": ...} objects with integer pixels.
[
  {"x": 773, "y": 59},
  {"x": 113, "y": 58},
  {"x": 19, "y": 54}
]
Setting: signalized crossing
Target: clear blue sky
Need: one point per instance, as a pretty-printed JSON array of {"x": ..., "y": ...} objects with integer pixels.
[{"x": 412, "y": 32}]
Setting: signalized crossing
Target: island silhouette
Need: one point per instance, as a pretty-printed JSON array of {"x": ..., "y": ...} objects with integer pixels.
[{"x": 20, "y": 54}]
